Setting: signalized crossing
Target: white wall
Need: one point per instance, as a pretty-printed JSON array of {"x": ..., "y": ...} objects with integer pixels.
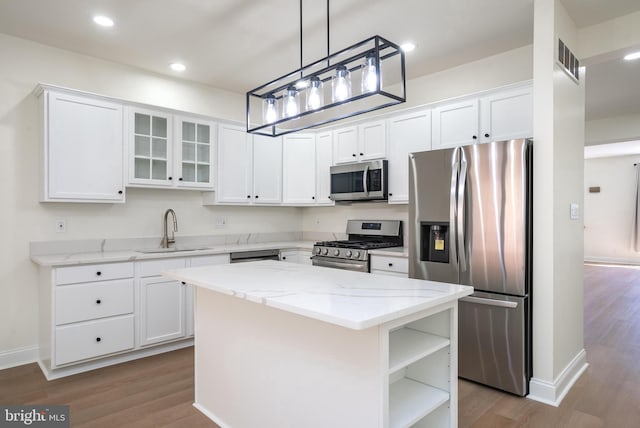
[
  {"x": 612, "y": 129},
  {"x": 608, "y": 215},
  {"x": 24, "y": 219}
]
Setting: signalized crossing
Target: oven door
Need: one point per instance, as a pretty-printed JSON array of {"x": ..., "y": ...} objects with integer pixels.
[{"x": 354, "y": 265}]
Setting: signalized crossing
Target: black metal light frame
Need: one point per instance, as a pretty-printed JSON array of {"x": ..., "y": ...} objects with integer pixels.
[{"x": 383, "y": 51}]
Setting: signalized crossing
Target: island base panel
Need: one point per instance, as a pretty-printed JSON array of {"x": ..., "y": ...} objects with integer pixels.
[{"x": 260, "y": 366}]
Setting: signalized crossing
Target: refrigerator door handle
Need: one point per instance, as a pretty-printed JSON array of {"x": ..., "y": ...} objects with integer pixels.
[
  {"x": 460, "y": 231},
  {"x": 490, "y": 302},
  {"x": 455, "y": 165}
]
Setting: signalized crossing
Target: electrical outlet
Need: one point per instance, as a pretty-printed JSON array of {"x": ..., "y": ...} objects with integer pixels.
[
  {"x": 220, "y": 223},
  {"x": 574, "y": 211},
  {"x": 317, "y": 221},
  {"x": 61, "y": 226}
]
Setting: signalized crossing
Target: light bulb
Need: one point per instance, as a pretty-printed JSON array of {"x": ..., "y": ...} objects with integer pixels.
[
  {"x": 315, "y": 95},
  {"x": 290, "y": 105},
  {"x": 270, "y": 112},
  {"x": 341, "y": 84},
  {"x": 369, "y": 74}
]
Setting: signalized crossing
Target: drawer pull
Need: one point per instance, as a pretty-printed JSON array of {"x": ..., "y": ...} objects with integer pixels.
[
  {"x": 184, "y": 283},
  {"x": 98, "y": 339},
  {"x": 98, "y": 273},
  {"x": 390, "y": 264},
  {"x": 98, "y": 301}
]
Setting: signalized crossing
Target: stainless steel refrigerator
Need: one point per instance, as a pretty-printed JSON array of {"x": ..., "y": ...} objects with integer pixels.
[{"x": 470, "y": 223}]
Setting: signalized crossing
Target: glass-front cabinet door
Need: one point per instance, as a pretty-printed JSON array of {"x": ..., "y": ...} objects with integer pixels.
[
  {"x": 195, "y": 140},
  {"x": 151, "y": 160}
]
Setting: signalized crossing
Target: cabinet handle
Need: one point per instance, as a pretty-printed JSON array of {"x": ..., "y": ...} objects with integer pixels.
[
  {"x": 390, "y": 194},
  {"x": 361, "y": 154},
  {"x": 256, "y": 196},
  {"x": 313, "y": 197},
  {"x": 390, "y": 264},
  {"x": 170, "y": 178},
  {"x": 475, "y": 137},
  {"x": 119, "y": 192},
  {"x": 486, "y": 135},
  {"x": 284, "y": 257},
  {"x": 353, "y": 154},
  {"x": 180, "y": 179},
  {"x": 98, "y": 339},
  {"x": 98, "y": 301},
  {"x": 248, "y": 196},
  {"x": 183, "y": 283},
  {"x": 98, "y": 273}
]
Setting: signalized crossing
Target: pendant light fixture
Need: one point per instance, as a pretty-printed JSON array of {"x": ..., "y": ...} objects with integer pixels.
[{"x": 341, "y": 85}]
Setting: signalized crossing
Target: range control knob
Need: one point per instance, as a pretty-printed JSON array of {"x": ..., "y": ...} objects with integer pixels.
[
  {"x": 356, "y": 254},
  {"x": 325, "y": 251},
  {"x": 336, "y": 252},
  {"x": 349, "y": 253},
  {"x": 318, "y": 250}
]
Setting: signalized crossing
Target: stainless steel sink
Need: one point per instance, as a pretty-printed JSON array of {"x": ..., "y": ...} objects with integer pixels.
[{"x": 171, "y": 250}]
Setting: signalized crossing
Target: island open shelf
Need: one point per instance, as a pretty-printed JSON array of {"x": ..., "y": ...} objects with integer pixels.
[{"x": 279, "y": 344}]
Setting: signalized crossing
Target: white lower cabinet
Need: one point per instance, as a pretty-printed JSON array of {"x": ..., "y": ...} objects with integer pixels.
[
  {"x": 296, "y": 256},
  {"x": 422, "y": 372},
  {"x": 388, "y": 265}
]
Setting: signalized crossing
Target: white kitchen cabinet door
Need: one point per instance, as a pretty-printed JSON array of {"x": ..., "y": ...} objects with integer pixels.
[
  {"x": 507, "y": 115},
  {"x": 407, "y": 134},
  {"x": 455, "y": 124},
  {"x": 234, "y": 165},
  {"x": 324, "y": 150},
  {"x": 345, "y": 145},
  {"x": 267, "y": 170},
  {"x": 194, "y": 152},
  {"x": 162, "y": 310},
  {"x": 299, "y": 169},
  {"x": 151, "y": 147},
  {"x": 83, "y": 149},
  {"x": 372, "y": 140}
]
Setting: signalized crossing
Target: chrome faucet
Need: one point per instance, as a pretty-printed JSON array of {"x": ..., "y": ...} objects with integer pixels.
[{"x": 165, "y": 238}]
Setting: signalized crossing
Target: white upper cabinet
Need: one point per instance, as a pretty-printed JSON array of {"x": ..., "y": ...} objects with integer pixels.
[
  {"x": 194, "y": 152},
  {"x": 455, "y": 124},
  {"x": 267, "y": 169},
  {"x": 150, "y": 146},
  {"x": 407, "y": 134},
  {"x": 503, "y": 114},
  {"x": 299, "y": 169},
  {"x": 234, "y": 165},
  {"x": 363, "y": 142},
  {"x": 82, "y": 149},
  {"x": 372, "y": 140},
  {"x": 324, "y": 149},
  {"x": 507, "y": 115}
]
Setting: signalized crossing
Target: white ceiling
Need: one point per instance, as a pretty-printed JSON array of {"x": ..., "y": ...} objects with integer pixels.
[{"x": 240, "y": 44}]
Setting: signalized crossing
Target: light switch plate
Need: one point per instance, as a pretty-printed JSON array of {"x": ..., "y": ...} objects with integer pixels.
[{"x": 575, "y": 211}]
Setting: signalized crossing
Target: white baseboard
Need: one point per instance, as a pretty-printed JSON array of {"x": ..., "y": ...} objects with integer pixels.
[
  {"x": 611, "y": 260},
  {"x": 210, "y": 415},
  {"x": 553, "y": 393},
  {"x": 18, "y": 357}
]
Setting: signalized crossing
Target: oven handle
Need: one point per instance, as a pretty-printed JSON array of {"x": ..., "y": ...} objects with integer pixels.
[
  {"x": 325, "y": 262},
  {"x": 365, "y": 177}
]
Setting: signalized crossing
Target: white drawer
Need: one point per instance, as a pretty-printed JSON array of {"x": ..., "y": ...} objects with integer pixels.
[
  {"x": 155, "y": 267},
  {"x": 91, "y": 339},
  {"x": 391, "y": 264},
  {"x": 82, "y": 302},
  {"x": 88, "y": 273},
  {"x": 216, "y": 259}
]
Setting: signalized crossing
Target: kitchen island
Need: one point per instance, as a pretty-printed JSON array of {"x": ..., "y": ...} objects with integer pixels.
[{"x": 286, "y": 345}]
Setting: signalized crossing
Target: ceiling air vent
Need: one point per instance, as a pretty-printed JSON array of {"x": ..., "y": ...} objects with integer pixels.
[{"x": 568, "y": 60}]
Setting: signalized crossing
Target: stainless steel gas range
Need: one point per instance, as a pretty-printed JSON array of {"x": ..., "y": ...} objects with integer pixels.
[{"x": 353, "y": 253}]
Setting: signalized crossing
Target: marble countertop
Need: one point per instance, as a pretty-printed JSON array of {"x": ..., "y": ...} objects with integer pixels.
[
  {"x": 393, "y": 251},
  {"x": 88, "y": 257},
  {"x": 349, "y": 299}
]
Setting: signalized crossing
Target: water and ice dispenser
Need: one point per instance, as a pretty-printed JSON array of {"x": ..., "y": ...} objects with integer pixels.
[{"x": 434, "y": 242}]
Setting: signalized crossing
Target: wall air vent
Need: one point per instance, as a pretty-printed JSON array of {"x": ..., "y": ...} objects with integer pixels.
[{"x": 568, "y": 61}]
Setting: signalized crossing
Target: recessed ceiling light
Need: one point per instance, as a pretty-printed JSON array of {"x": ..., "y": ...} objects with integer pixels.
[
  {"x": 103, "y": 21},
  {"x": 407, "y": 47},
  {"x": 177, "y": 66},
  {"x": 632, "y": 56}
]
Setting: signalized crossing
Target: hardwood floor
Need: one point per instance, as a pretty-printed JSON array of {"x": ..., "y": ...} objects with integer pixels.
[{"x": 158, "y": 391}]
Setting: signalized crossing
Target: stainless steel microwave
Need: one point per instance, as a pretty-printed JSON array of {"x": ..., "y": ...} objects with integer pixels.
[{"x": 364, "y": 181}]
